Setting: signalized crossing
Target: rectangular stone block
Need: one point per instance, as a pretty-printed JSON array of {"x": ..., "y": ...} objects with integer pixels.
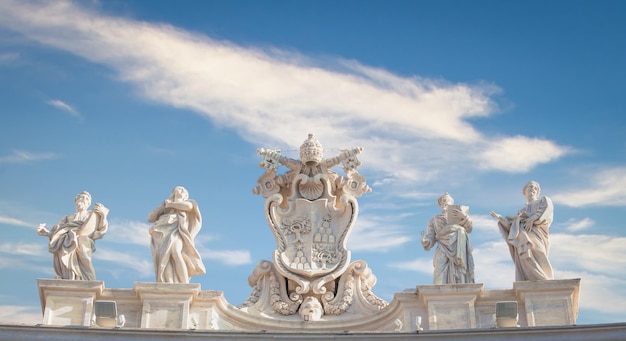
[
  {"x": 68, "y": 302},
  {"x": 549, "y": 303}
]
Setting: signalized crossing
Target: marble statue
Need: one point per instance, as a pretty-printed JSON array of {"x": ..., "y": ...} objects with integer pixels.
[
  {"x": 72, "y": 240},
  {"x": 311, "y": 211},
  {"x": 452, "y": 261},
  {"x": 177, "y": 221},
  {"x": 527, "y": 237}
]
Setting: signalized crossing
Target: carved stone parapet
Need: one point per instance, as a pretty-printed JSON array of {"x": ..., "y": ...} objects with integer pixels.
[{"x": 353, "y": 293}]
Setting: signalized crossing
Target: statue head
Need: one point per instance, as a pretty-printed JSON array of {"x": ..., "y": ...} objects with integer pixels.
[
  {"x": 311, "y": 151},
  {"x": 445, "y": 200},
  {"x": 179, "y": 193},
  {"x": 82, "y": 200},
  {"x": 531, "y": 190}
]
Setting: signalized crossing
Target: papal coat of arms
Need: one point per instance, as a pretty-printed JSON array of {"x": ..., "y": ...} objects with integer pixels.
[{"x": 311, "y": 211}]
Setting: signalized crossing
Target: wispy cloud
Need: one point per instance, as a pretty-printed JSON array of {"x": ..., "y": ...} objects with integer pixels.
[
  {"x": 15, "y": 222},
  {"x": 519, "y": 154},
  {"x": 64, "y": 107},
  {"x": 130, "y": 232},
  {"x": 8, "y": 57},
  {"x": 21, "y": 156},
  {"x": 228, "y": 257},
  {"x": 27, "y": 249},
  {"x": 422, "y": 265},
  {"x": 591, "y": 253},
  {"x": 15, "y": 314},
  {"x": 607, "y": 187},
  {"x": 484, "y": 223},
  {"x": 575, "y": 225},
  {"x": 263, "y": 93},
  {"x": 369, "y": 236},
  {"x": 141, "y": 265}
]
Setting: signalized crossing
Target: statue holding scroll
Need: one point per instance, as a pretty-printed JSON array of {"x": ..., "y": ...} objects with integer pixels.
[{"x": 72, "y": 240}]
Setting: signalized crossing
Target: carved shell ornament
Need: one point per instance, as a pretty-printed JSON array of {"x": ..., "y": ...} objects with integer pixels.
[{"x": 311, "y": 189}]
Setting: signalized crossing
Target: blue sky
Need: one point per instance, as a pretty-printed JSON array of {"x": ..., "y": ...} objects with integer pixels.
[{"x": 127, "y": 99}]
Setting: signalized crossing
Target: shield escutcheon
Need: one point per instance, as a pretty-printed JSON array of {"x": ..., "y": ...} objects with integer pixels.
[{"x": 313, "y": 236}]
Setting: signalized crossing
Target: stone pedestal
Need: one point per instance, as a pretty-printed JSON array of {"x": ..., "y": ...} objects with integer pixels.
[
  {"x": 548, "y": 303},
  {"x": 68, "y": 302},
  {"x": 166, "y": 305},
  {"x": 450, "y": 306}
]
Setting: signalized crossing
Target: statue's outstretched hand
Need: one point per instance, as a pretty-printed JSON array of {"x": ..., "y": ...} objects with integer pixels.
[{"x": 42, "y": 231}]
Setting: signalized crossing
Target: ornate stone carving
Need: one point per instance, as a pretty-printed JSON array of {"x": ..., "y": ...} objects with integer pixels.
[
  {"x": 311, "y": 211},
  {"x": 71, "y": 241}
]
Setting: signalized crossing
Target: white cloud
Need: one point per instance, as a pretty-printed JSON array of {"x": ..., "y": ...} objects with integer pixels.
[
  {"x": 422, "y": 265},
  {"x": 8, "y": 57},
  {"x": 493, "y": 265},
  {"x": 21, "y": 156},
  {"x": 14, "y": 221},
  {"x": 26, "y": 263},
  {"x": 574, "y": 225},
  {"x": 124, "y": 260},
  {"x": 607, "y": 188},
  {"x": 519, "y": 154},
  {"x": 277, "y": 97},
  {"x": 485, "y": 223},
  {"x": 591, "y": 253},
  {"x": 27, "y": 249},
  {"x": 228, "y": 257},
  {"x": 126, "y": 231},
  {"x": 376, "y": 234},
  {"x": 64, "y": 107},
  {"x": 15, "y": 314}
]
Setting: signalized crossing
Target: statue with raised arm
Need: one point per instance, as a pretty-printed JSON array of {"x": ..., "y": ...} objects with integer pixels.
[
  {"x": 72, "y": 240},
  {"x": 177, "y": 221},
  {"x": 527, "y": 236},
  {"x": 453, "y": 261}
]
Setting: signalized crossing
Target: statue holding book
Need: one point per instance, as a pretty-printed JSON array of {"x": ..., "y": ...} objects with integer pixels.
[{"x": 453, "y": 261}]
